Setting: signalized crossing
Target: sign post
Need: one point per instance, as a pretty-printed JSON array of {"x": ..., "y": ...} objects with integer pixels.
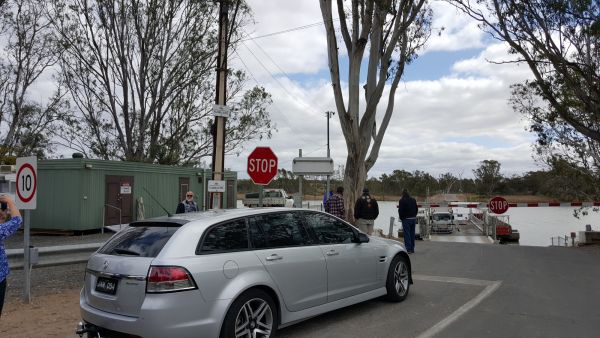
[
  {"x": 498, "y": 205},
  {"x": 26, "y": 200},
  {"x": 262, "y": 168}
]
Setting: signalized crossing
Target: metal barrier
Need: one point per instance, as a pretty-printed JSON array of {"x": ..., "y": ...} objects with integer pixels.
[
  {"x": 562, "y": 241},
  {"x": 315, "y": 206},
  {"x": 54, "y": 255}
]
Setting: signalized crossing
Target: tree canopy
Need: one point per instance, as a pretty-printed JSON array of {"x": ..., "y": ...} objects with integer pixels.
[
  {"x": 123, "y": 80},
  {"x": 560, "y": 42},
  {"x": 141, "y": 76}
]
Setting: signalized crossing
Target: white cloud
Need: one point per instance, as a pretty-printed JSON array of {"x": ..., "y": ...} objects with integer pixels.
[
  {"x": 300, "y": 51},
  {"x": 459, "y": 31},
  {"x": 446, "y": 125}
]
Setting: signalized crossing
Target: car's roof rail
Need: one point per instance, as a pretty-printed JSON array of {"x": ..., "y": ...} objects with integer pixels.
[{"x": 171, "y": 222}]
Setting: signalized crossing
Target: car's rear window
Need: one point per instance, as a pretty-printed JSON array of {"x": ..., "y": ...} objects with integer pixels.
[{"x": 138, "y": 241}]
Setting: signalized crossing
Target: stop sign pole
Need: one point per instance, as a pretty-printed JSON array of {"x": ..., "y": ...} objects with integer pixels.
[{"x": 262, "y": 168}]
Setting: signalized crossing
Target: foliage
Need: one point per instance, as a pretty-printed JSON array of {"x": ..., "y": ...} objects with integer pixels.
[
  {"x": 487, "y": 176},
  {"x": 561, "y": 183},
  {"x": 388, "y": 34},
  {"x": 560, "y": 42},
  {"x": 141, "y": 76},
  {"x": 29, "y": 54}
]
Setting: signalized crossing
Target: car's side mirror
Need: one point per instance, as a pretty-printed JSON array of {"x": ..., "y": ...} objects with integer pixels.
[{"x": 362, "y": 238}]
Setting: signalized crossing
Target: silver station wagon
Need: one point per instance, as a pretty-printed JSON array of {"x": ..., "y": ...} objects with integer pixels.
[{"x": 234, "y": 273}]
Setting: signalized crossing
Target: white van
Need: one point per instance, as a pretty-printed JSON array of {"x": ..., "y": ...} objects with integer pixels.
[{"x": 442, "y": 221}]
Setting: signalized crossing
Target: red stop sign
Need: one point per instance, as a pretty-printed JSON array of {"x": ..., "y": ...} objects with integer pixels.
[
  {"x": 262, "y": 165},
  {"x": 498, "y": 205}
]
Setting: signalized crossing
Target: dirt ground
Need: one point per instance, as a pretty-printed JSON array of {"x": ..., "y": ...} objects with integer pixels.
[{"x": 52, "y": 315}]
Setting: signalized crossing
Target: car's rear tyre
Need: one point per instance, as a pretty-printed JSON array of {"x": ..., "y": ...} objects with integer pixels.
[
  {"x": 252, "y": 314},
  {"x": 398, "y": 279}
]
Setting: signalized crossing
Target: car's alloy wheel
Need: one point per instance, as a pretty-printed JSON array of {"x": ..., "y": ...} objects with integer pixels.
[
  {"x": 255, "y": 319},
  {"x": 252, "y": 315},
  {"x": 398, "y": 279}
]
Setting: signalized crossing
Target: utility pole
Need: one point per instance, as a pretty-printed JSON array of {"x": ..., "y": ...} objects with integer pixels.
[
  {"x": 329, "y": 114},
  {"x": 218, "y": 158}
]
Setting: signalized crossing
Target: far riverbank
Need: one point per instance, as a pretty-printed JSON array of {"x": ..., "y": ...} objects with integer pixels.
[{"x": 446, "y": 198}]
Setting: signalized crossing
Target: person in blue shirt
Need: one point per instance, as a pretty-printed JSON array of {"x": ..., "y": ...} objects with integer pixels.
[
  {"x": 12, "y": 220},
  {"x": 327, "y": 196}
]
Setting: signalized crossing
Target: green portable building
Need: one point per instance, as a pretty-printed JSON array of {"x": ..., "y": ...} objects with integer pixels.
[{"x": 82, "y": 194}]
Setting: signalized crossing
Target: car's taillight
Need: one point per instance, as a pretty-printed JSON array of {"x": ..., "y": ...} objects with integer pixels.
[{"x": 168, "y": 279}]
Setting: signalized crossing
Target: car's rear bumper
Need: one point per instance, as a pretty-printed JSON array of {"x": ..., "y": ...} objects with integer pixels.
[{"x": 181, "y": 314}]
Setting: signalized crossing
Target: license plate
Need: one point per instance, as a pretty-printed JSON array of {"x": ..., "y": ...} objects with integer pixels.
[{"x": 106, "y": 285}]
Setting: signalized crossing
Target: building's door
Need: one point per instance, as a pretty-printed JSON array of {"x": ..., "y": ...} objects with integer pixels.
[
  {"x": 118, "y": 208},
  {"x": 184, "y": 187}
]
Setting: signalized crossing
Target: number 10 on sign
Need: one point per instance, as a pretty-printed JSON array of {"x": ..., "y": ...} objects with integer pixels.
[{"x": 26, "y": 182}]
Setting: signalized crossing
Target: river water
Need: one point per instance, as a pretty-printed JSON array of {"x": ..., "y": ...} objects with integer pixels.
[{"x": 536, "y": 225}]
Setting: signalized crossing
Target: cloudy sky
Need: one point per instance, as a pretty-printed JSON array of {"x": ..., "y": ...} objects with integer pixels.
[{"x": 451, "y": 110}]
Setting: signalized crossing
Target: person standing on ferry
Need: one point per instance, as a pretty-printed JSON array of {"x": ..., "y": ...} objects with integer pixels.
[{"x": 407, "y": 212}]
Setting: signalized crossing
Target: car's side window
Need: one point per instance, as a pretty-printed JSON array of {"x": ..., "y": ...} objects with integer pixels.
[
  {"x": 230, "y": 236},
  {"x": 328, "y": 229},
  {"x": 277, "y": 230}
]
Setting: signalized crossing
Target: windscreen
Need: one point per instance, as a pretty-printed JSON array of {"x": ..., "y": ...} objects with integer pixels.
[
  {"x": 138, "y": 241},
  {"x": 441, "y": 217}
]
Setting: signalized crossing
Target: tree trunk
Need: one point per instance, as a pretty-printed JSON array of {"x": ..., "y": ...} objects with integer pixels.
[{"x": 354, "y": 180}]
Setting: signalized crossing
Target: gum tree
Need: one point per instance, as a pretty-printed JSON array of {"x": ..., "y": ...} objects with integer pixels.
[
  {"x": 559, "y": 41},
  {"x": 26, "y": 125},
  {"x": 140, "y": 74},
  {"x": 387, "y": 34}
]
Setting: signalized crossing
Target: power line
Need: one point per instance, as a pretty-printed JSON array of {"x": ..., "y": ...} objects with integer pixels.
[
  {"x": 289, "y": 30},
  {"x": 256, "y": 81},
  {"x": 277, "y": 80},
  {"x": 273, "y": 61}
]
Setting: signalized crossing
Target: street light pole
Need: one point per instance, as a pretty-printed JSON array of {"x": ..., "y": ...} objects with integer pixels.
[{"x": 329, "y": 114}]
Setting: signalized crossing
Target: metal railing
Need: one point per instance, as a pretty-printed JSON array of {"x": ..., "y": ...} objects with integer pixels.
[
  {"x": 315, "y": 206},
  {"x": 562, "y": 241},
  {"x": 54, "y": 255}
]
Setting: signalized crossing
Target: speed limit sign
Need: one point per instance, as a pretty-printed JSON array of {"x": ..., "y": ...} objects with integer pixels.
[{"x": 26, "y": 182}]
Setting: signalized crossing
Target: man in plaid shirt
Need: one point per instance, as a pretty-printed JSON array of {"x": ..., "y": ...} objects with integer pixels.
[{"x": 335, "y": 204}]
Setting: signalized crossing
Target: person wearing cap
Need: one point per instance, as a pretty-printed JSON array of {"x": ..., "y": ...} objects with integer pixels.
[
  {"x": 407, "y": 212},
  {"x": 366, "y": 211},
  {"x": 188, "y": 204}
]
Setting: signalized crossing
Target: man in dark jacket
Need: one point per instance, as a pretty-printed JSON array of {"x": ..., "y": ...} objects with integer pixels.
[
  {"x": 366, "y": 211},
  {"x": 407, "y": 212}
]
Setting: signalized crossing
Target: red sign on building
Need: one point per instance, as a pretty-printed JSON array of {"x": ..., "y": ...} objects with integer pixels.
[{"x": 262, "y": 165}]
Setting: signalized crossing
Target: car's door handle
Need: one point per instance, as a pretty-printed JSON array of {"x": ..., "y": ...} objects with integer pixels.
[
  {"x": 332, "y": 253},
  {"x": 273, "y": 257}
]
